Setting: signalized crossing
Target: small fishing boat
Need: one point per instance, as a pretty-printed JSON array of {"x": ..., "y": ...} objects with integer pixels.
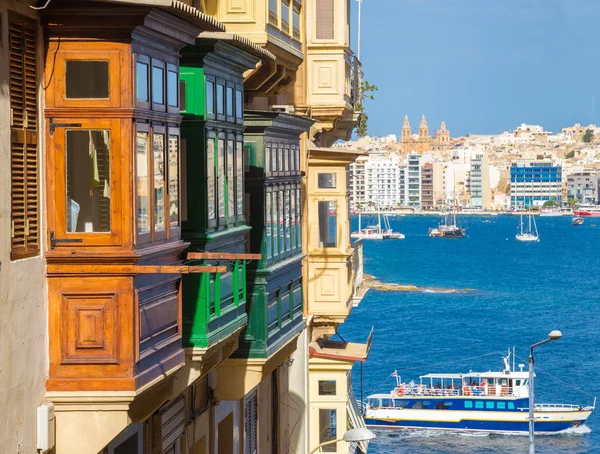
[
  {"x": 577, "y": 221},
  {"x": 531, "y": 234},
  {"x": 495, "y": 402}
]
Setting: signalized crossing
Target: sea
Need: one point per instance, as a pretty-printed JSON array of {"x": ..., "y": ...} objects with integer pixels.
[{"x": 507, "y": 294}]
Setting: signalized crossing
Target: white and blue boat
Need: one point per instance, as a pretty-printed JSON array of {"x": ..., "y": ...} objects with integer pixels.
[{"x": 496, "y": 402}]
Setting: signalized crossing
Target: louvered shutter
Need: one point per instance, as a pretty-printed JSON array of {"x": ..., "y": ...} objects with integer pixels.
[
  {"x": 250, "y": 423},
  {"x": 325, "y": 19},
  {"x": 24, "y": 148}
]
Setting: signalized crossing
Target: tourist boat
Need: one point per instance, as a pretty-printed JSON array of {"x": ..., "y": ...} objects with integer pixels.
[
  {"x": 577, "y": 221},
  {"x": 587, "y": 211},
  {"x": 530, "y": 234},
  {"x": 495, "y": 402},
  {"x": 375, "y": 232},
  {"x": 449, "y": 228}
]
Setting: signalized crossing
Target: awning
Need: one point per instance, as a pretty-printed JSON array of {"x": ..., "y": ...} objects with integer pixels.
[{"x": 341, "y": 350}]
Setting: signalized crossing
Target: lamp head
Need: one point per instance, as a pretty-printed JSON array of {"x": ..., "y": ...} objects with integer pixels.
[
  {"x": 555, "y": 335},
  {"x": 358, "y": 434}
]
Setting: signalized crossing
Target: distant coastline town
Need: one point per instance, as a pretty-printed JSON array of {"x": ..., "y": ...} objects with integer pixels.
[{"x": 526, "y": 168}]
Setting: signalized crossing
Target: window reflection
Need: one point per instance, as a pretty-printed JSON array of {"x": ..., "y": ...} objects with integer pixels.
[
  {"x": 221, "y": 177},
  {"x": 159, "y": 182},
  {"x": 327, "y": 224},
  {"x": 142, "y": 183},
  {"x": 174, "y": 181},
  {"x": 210, "y": 169},
  {"x": 141, "y": 81},
  {"x": 210, "y": 99},
  {"x": 86, "y": 79},
  {"x": 239, "y": 165},
  {"x": 158, "y": 82},
  {"x": 88, "y": 181},
  {"x": 230, "y": 182}
]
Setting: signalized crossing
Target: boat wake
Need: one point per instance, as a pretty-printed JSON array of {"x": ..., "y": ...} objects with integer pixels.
[{"x": 581, "y": 430}]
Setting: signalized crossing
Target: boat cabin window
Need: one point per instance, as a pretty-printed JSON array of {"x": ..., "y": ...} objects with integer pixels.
[
  {"x": 373, "y": 403},
  {"x": 400, "y": 403},
  {"x": 387, "y": 403},
  {"x": 517, "y": 382},
  {"x": 420, "y": 404},
  {"x": 511, "y": 405},
  {"x": 489, "y": 405},
  {"x": 479, "y": 404},
  {"x": 468, "y": 404},
  {"x": 501, "y": 405},
  {"x": 443, "y": 405}
]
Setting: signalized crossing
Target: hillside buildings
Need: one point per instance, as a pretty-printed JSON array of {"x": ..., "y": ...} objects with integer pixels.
[{"x": 534, "y": 182}]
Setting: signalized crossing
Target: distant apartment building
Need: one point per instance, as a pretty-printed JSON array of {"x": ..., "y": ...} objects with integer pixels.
[
  {"x": 533, "y": 182},
  {"x": 583, "y": 187},
  {"x": 382, "y": 181},
  {"x": 358, "y": 184},
  {"x": 413, "y": 180},
  {"x": 427, "y": 199},
  {"x": 480, "y": 181}
]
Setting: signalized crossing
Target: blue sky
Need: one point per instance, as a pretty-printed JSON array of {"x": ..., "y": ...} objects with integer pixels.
[{"x": 483, "y": 66}]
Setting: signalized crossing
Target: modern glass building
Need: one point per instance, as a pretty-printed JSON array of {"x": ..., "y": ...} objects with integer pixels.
[{"x": 534, "y": 182}]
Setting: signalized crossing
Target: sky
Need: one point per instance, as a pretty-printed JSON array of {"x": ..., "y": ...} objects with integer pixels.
[{"x": 482, "y": 66}]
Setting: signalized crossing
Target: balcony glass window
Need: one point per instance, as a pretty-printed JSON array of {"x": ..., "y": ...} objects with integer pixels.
[
  {"x": 158, "y": 82},
  {"x": 326, "y": 387},
  {"x": 230, "y": 182},
  {"x": 239, "y": 105},
  {"x": 172, "y": 84},
  {"x": 288, "y": 223},
  {"x": 327, "y": 224},
  {"x": 142, "y": 184},
  {"x": 141, "y": 81},
  {"x": 159, "y": 181},
  {"x": 86, "y": 79},
  {"x": 173, "y": 180},
  {"x": 88, "y": 181},
  {"x": 327, "y": 180},
  {"x": 210, "y": 176},
  {"x": 221, "y": 177},
  {"x": 220, "y": 99},
  {"x": 229, "y": 102},
  {"x": 239, "y": 166},
  {"x": 296, "y": 20},
  {"x": 293, "y": 233},
  {"x": 273, "y": 12},
  {"x": 268, "y": 161},
  {"x": 328, "y": 429},
  {"x": 275, "y": 225},
  {"x": 285, "y": 16},
  {"x": 268, "y": 227},
  {"x": 298, "y": 219},
  {"x": 281, "y": 212},
  {"x": 210, "y": 99}
]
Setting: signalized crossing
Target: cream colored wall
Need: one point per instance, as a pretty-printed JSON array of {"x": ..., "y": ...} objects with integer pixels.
[
  {"x": 298, "y": 396},
  {"x": 23, "y": 324},
  {"x": 322, "y": 369}
]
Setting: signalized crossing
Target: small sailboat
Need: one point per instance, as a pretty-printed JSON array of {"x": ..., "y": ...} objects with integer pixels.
[
  {"x": 577, "y": 220},
  {"x": 449, "y": 228},
  {"x": 388, "y": 233},
  {"x": 531, "y": 234},
  {"x": 371, "y": 232}
]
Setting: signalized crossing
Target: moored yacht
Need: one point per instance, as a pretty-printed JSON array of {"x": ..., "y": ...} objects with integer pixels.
[
  {"x": 473, "y": 402},
  {"x": 531, "y": 233}
]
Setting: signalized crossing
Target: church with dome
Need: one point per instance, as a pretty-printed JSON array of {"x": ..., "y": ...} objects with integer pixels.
[{"x": 422, "y": 142}]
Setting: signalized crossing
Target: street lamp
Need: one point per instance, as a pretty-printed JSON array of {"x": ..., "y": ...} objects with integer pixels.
[
  {"x": 554, "y": 335},
  {"x": 352, "y": 436}
]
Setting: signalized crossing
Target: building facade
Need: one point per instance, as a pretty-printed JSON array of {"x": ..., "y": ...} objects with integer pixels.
[
  {"x": 413, "y": 180},
  {"x": 480, "y": 181},
  {"x": 534, "y": 182},
  {"x": 584, "y": 187}
]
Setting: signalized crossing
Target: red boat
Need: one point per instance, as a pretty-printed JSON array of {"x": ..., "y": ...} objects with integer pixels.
[{"x": 587, "y": 211}]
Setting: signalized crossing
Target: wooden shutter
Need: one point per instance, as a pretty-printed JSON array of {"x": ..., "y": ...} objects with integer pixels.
[
  {"x": 250, "y": 424},
  {"x": 325, "y": 19},
  {"x": 24, "y": 149}
]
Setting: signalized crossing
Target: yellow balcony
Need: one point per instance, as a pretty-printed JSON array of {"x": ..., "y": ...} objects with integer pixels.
[{"x": 334, "y": 266}]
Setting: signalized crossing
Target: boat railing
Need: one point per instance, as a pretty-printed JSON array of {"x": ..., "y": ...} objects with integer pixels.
[
  {"x": 557, "y": 407},
  {"x": 421, "y": 390}
]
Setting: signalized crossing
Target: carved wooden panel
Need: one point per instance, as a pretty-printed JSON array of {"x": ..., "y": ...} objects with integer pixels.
[{"x": 90, "y": 328}]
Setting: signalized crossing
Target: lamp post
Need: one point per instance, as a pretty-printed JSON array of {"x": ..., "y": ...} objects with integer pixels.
[
  {"x": 554, "y": 335},
  {"x": 352, "y": 436}
]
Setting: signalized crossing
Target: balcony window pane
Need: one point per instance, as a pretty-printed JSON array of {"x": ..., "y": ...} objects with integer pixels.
[
  {"x": 327, "y": 180},
  {"x": 327, "y": 224},
  {"x": 182, "y": 91},
  {"x": 174, "y": 181},
  {"x": 298, "y": 219},
  {"x": 159, "y": 182},
  {"x": 142, "y": 183},
  {"x": 268, "y": 227},
  {"x": 326, "y": 387},
  {"x": 273, "y": 12},
  {"x": 172, "y": 79},
  {"x": 281, "y": 212},
  {"x": 286, "y": 164},
  {"x": 267, "y": 161},
  {"x": 280, "y": 159},
  {"x": 239, "y": 165},
  {"x": 328, "y": 429},
  {"x": 230, "y": 182},
  {"x": 288, "y": 243},
  {"x": 239, "y": 105},
  {"x": 221, "y": 177},
  {"x": 210, "y": 171},
  {"x": 86, "y": 79},
  {"x": 141, "y": 81},
  {"x": 275, "y": 224},
  {"x": 293, "y": 219},
  {"x": 274, "y": 158},
  {"x": 229, "y": 102},
  {"x": 296, "y": 21},
  {"x": 158, "y": 82},
  {"x": 210, "y": 99},
  {"x": 285, "y": 16},
  {"x": 325, "y": 19},
  {"x": 88, "y": 181},
  {"x": 220, "y": 100}
]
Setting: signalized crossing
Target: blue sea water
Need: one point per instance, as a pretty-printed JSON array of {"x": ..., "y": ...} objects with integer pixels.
[{"x": 520, "y": 292}]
